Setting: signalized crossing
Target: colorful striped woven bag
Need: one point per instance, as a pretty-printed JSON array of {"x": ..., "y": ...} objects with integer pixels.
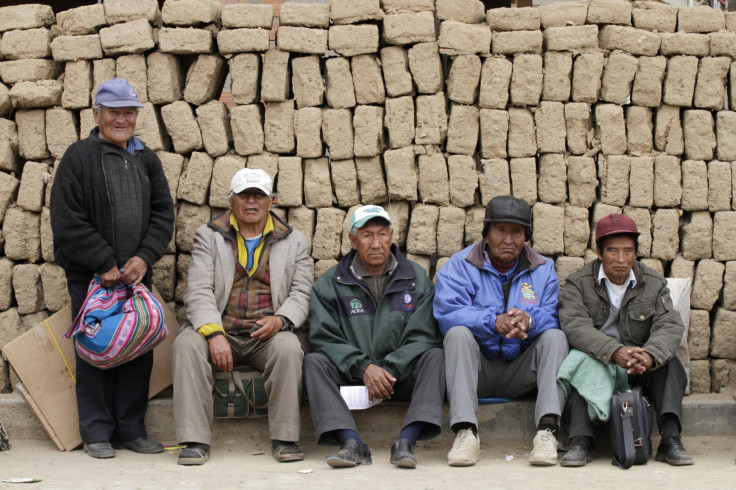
[{"x": 116, "y": 325}]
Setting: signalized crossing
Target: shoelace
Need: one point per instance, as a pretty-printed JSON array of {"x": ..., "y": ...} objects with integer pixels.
[
  {"x": 465, "y": 439},
  {"x": 547, "y": 438}
]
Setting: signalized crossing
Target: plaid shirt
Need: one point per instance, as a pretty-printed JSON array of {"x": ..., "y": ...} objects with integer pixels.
[{"x": 250, "y": 298}]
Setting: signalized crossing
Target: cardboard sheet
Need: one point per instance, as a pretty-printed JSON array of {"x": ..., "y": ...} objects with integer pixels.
[{"x": 44, "y": 361}]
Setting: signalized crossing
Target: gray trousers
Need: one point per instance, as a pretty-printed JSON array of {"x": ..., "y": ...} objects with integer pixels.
[
  {"x": 280, "y": 358},
  {"x": 425, "y": 388},
  {"x": 470, "y": 375},
  {"x": 664, "y": 387}
]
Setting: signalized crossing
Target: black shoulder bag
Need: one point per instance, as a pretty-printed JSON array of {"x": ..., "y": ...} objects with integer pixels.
[{"x": 631, "y": 428}]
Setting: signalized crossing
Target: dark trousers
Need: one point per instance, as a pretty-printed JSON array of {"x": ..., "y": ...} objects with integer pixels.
[
  {"x": 425, "y": 388},
  {"x": 664, "y": 387},
  {"x": 111, "y": 403}
]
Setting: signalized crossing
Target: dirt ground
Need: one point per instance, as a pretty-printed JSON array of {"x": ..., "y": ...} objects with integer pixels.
[{"x": 233, "y": 465}]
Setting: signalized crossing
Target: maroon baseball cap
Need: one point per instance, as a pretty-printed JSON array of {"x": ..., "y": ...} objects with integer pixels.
[{"x": 615, "y": 224}]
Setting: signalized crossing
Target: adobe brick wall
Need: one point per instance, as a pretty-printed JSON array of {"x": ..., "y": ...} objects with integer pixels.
[{"x": 428, "y": 108}]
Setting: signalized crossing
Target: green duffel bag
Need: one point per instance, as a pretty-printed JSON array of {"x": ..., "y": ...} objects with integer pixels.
[{"x": 239, "y": 393}]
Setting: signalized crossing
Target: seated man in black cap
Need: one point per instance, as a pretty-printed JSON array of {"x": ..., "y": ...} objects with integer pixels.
[
  {"x": 619, "y": 311},
  {"x": 496, "y": 304}
]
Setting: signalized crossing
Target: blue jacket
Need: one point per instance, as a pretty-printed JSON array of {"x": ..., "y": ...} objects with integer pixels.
[{"x": 469, "y": 293}]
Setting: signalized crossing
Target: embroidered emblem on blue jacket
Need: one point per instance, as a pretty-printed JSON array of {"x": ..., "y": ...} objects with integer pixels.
[{"x": 527, "y": 292}]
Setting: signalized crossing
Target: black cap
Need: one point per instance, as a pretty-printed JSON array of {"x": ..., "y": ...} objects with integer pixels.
[{"x": 508, "y": 209}]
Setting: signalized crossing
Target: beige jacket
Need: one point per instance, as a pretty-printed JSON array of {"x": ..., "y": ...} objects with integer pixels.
[{"x": 212, "y": 270}]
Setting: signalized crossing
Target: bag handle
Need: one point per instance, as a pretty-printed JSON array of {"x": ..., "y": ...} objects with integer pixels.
[{"x": 628, "y": 433}]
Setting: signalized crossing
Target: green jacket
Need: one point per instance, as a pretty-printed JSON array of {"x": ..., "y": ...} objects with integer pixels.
[
  {"x": 646, "y": 318},
  {"x": 352, "y": 331}
]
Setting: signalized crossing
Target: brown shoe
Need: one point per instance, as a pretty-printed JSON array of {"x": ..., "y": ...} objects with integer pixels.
[{"x": 284, "y": 451}]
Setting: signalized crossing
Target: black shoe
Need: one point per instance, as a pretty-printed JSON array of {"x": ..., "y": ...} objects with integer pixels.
[
  {"x": 193, "y": 454},
  {"x": 351, "y": 453},
  {"x": 140, "y": 445},
  {"x": 284, "y": 451},
  {"x": 580, "y": 452},
  {"x": 671, "y": 451},
  {"x": 402, "y": 454},
  {"x": 100, "y": 450}
]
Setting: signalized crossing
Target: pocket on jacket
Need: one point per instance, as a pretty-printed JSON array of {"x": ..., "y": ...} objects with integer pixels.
[
  {"x": 640, "y": 319},
  {"x": 598, "y": 312}
]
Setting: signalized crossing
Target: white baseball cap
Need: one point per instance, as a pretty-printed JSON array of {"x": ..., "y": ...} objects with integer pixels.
[
  {"x": 251, "y": 178},
  {"x": 364, "y": 214}
]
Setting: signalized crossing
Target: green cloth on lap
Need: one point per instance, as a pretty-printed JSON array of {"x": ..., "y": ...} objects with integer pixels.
[{"x": 594, "y": 380}]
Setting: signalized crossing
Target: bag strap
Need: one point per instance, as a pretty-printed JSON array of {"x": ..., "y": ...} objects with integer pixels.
[
  {"x": 628, "y": 434},
  {"x": 231, "y": 396},
  {"x": 243, "y": 389}
]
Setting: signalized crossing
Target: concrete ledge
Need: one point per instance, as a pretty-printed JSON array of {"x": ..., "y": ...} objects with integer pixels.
[{"x": 704, "y": 415}]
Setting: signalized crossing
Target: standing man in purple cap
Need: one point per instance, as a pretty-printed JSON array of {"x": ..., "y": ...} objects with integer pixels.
[
  {"x": 371, "y": 324},
  {"x": 112, "y": 215},
  {"x": 247, "y": 299},
  {"x": 619, "y": 311}
]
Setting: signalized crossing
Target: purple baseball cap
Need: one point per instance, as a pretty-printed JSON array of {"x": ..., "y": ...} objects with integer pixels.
[{"x": 117, "y": 93}]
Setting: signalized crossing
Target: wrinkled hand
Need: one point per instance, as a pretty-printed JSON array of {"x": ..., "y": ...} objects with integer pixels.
[
  {"x": 221, "y": 353},
  {"x": 520, "y": 320},
  {"x": 634, "y": 359},
  {"x": 379, "y": 382},
  {"x": 134, "y": 270},
  {"x": 515, "y": 323},
  {"x": 269, "y": 326},
  {"x": 110, "y": 278}
]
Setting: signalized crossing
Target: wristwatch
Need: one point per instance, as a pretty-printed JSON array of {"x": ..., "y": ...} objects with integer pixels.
[{"x": 288, "y": 326}]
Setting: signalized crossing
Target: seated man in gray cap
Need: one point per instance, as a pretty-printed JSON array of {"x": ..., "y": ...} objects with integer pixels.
[
  {"x": 619, "y": 312},
  {"x": 496, "y": 304},
  {"x": 247, "y": 297},
  {"x": 371, "y": 324}
]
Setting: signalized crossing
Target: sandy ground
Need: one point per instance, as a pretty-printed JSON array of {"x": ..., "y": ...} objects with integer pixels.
[{"x": 233, "y": 465}]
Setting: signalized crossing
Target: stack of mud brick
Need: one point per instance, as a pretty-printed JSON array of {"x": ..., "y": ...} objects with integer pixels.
[{"x": 430, "y": 108}]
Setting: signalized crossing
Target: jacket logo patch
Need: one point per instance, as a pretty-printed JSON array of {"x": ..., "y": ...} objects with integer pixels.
[
  {"x": 356, "y": 307},
  {"x": 408, "y": 306},
  {"x": 527, "y": 293}
]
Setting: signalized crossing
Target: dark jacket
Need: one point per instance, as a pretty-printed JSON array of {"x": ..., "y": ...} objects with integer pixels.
[
  {"x": 646, "y": 318},
  {"x": 470, "y": 294},
  {"x": 82, "y": 216},
  {"x": 348, "y": 327}
]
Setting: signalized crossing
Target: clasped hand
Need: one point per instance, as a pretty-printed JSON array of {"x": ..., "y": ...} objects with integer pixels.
[
  {"x": 634, "y": 359},
  {"x": 513, "y": 324},
  {"x": 379, "y": 382}
]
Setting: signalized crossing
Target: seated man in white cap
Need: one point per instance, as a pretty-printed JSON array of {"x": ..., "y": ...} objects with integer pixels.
[
  {"x": 371, "y": 324},
  {"x": 247, "y": 297}
]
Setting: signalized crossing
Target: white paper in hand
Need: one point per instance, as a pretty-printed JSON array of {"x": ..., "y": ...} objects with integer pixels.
[{"x": 356, "y": 397}]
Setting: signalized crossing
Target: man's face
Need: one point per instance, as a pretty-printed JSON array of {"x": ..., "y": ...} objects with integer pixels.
[
  {"x": 251, "y": 207},
  {"x": 372, "y": 244},
  {"x": 617, "y": 257},
  {"x": 117, "y": 124},
  {"x": 505, "y": 241}
]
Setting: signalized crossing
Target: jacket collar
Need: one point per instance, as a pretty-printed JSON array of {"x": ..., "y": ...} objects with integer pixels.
[
  {"x": 601, "y": 287},
  {"x": 221, "y": 223},
  {"x": 403, "y": 269},
  {"x": 94, "y": 136},
  {"x": 528, "y": 259}
]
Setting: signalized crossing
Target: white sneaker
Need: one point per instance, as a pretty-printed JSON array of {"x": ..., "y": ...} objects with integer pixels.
[
  {"x": 545, "y": 449},
  {"x": 465, "y": 450}
]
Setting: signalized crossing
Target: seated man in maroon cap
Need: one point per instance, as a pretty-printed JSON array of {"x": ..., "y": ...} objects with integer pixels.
[{"x": 619, "y": 311}]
